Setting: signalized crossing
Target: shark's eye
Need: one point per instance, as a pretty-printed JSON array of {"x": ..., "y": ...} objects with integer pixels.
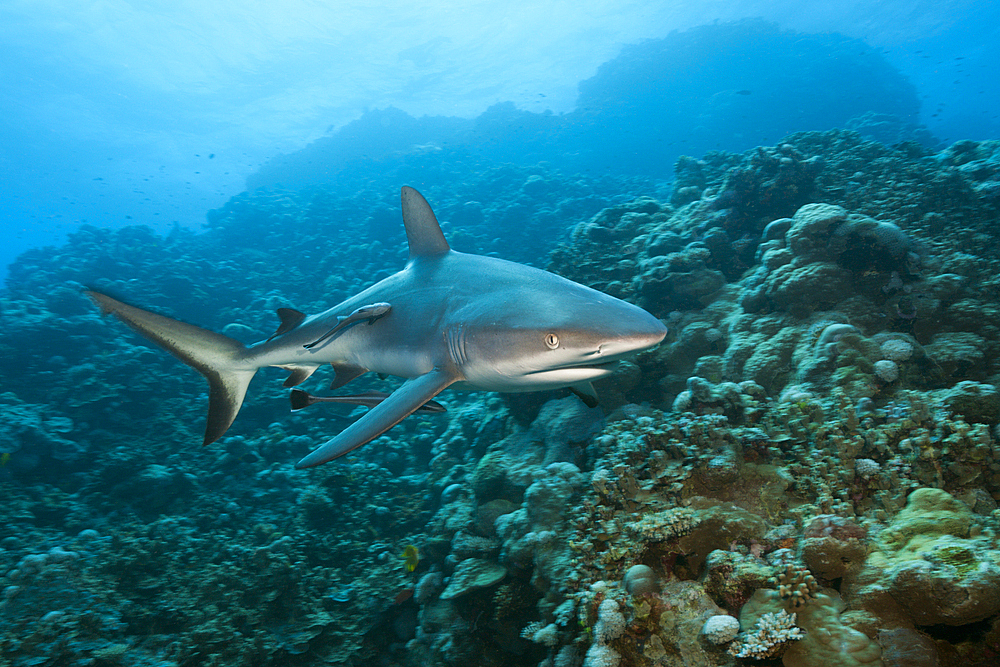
[{"x": 552, "y": 341}]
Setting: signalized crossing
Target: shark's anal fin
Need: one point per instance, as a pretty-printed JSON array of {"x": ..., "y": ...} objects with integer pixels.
[
  {"x": 372, "y": 313},
  {"x": 398, "y": 406},
  {"x": 290, "y": 318},
  {"x": 299, "y": 374}
]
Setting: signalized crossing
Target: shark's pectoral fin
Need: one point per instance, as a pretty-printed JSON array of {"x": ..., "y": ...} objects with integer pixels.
[
  {"x": 344, "y": 374},
  {"x": 398, "y": 406}
]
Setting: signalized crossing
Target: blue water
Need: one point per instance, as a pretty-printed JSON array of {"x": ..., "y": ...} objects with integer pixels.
[
  {"x": 155, "y": 112},
  {"x": 218, "y": 161}
]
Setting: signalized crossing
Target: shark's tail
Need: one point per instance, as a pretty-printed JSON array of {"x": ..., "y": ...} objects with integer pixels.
[{"x": 222, "y": 360}]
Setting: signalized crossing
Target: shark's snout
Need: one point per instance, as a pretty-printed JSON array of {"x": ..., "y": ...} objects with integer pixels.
[{"x": 639, "y": 331}]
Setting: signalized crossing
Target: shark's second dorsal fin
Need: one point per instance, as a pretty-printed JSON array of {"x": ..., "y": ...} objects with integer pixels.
[
  {"x": 423, "y": 233},
  {"x": 290, "y": 318}
]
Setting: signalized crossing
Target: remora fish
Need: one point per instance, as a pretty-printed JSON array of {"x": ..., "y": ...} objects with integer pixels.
[
  {"x": 371, "y": 313},
  {"x": 452, "y": 319},
  {"x": 303, "y": 399}
]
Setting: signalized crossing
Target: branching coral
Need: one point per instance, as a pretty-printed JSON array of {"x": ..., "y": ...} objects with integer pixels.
[
  {"x": 769, "y": 637},
  {"x": 796, "y": 584}
]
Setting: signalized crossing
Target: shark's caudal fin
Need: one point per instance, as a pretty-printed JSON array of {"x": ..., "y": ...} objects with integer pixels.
[{"x": 219, "y": 358}]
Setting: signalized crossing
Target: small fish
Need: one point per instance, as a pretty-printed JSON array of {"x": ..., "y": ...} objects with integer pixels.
[
  {"x": 5, "y": 457},
  {"x": 744, "y": 92},
  {"x": 370, "y": 312},
  {"x": 303, "y": 399},
  {"x": 403, "y": 595},
  {"x": 410, "y": 558}
]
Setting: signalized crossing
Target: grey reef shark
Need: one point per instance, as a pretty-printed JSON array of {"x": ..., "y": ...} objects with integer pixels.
[{"x": 447, "y": 319}]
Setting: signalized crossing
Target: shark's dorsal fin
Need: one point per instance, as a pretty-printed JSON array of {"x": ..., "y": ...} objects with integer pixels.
[
  {"x": 423, "y": 233},
  {"x": 290, "y": 318}
]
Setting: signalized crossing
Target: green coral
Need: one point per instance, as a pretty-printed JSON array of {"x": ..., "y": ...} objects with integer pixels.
[
  {"x": 960, "y": 557},
  {"x": 936, "y": 564},
  {"x": 929, "y": 514}
]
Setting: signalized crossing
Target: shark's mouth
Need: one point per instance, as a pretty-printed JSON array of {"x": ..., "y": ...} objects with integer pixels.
[{"x": 606, "y": 366}]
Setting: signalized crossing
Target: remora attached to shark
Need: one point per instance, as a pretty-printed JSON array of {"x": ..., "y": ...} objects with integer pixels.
[{"x": 448, "y": 318}]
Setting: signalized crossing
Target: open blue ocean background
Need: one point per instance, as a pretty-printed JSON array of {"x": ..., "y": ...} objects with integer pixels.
[
  {"x": 151, "y": 113},
  {"x": 806, "y": 193}
]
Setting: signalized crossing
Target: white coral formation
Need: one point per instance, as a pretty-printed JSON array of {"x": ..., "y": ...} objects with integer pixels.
[
  {"x": 866, "y": 468},
  {"x": 540, "y": 633},
  {"x": 769, "y": 636},
  {"x": 896, "y": 349},
  {"x": 602, "y": 655},
  {"x": 886, "y": 370},
  {"x": 610, "y": 621},
  {"x": 610, "y": 626},
  {"x": 428, "y": 587},
  {"x": 721, "y": 628}
]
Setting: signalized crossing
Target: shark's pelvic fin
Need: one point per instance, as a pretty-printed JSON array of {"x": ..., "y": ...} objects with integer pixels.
[
  {"x": 215, "y": 356},
  {"x": 398, "y": 406},
  {"x": 586, "y": 393},
  {"x": 290, "y": 318},
  {"x": 423, "y": 233}
]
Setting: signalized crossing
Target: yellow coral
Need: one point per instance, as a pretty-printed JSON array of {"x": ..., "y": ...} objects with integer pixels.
[{"x": 410, "y": 558}]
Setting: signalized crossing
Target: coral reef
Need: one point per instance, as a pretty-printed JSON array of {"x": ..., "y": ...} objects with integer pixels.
[
  {"x": 769, "y": 637},
  {"x": 813, "y": 450}
]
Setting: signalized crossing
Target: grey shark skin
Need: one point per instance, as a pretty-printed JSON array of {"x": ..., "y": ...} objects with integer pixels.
[{"x": 455, "y": 319}]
